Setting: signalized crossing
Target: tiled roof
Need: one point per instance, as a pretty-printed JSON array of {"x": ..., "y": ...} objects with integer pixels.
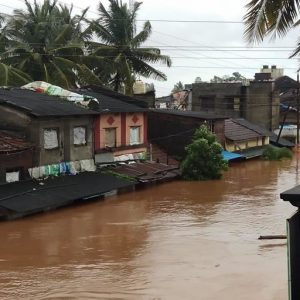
[
  {"x": 41, "y": 105},
  {"x": 260, "y": 130},
  {"x": 238, "y": 132},
  {"x": 282, "y": 142},
  {"x": 10, "y": 142}
]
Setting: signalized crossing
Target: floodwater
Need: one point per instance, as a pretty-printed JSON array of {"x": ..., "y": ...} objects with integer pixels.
[{"x": 179, "y": 240}]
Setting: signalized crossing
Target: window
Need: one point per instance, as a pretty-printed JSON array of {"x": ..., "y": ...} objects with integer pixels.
[
  {"x": 110, "y": 137},
  {"x": 135, "y": 135},
  {"x": 50, "y": 138},
  {"x": 12, "y": 175},
  {"x": 236, "y": 105},
  {"x": 79, "y": 134}
]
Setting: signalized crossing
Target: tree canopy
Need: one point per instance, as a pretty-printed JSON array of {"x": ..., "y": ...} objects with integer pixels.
[
  {"x": 122, "y": 46},
  {"x": 178, "y": 87},
  {"x": 236, "y": 76},
  {"x": 204, "y": 158},
  {"x": 271, "y": 18},
  {"x": 48, "y": 42}
]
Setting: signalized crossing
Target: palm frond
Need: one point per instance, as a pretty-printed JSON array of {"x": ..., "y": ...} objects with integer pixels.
[
  {"x": 10, "y": 76},
  {"x": 265, "y": 17},
  {"x": 142, "y": 36},
  {"x": 147, "y": 70},
  {"x": 255, "y": 20},
  {"x": 151, "y": 55}
]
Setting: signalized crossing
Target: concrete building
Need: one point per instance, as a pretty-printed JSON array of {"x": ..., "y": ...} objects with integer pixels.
[
  {"x": 60, "y": 131},
  {"x": 120, "y": 128},
  {"x": 256, "y": 101},
  {"x": 273, "y": 71}
]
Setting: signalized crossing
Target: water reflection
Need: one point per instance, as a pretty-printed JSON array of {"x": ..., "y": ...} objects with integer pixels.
[{"x": 180, "y": 240}]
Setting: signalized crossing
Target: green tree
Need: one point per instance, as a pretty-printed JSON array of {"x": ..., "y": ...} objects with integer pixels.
[
  {"x": 123, "y": 47},
  {"x": 178, "y": 87},
  {"x": 236, "y": 76},
  {"x": 271, "y": 18},
  {"x": 47, "y": 42},
  {"x": 204, "y": 158},
  {"x": 9, "y": 75}
]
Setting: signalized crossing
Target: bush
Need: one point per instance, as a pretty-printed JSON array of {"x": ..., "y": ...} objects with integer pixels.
[
  {"x": 204, "y": 158},
  {"x": 274, "y": 153}
]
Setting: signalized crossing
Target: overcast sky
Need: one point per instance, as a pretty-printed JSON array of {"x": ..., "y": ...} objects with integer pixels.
[{"x": 199, "y": 49}]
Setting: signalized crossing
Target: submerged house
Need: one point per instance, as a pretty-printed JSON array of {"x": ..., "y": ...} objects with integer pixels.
[
  {"x": 60, "y": 131},
  {"x": 120, "y": 128},
  {"x": 245, "y": 138}
]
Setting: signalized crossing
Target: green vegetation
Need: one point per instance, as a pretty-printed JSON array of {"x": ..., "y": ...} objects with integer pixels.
[
  {"x": 178, "y": 87},
  {"x": 271, "y": 18},
  {"x": 47, "y": 42},
  {"x": 204, "y": 159},
  {"x": 235, "y": 77},
  {"x": 122, "y": 45},
  {"x": 274, "y": 153}
]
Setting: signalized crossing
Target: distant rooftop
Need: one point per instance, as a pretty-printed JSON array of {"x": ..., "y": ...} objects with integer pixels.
[{"x": 191, "y": 114}]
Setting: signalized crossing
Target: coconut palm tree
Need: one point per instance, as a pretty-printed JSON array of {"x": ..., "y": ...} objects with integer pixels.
[
  {"x": 271, "y": 17},
  {"x": 46, "y": 42},
  {"x": 8, "y": 74},
  {"x": 122, "y": 47}
]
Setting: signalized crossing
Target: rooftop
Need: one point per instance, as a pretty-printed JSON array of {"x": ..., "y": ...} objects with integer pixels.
[
  {"x": 242, "y": 130},
  {"x": 28, "y": 197},
  {"x": 112, "y": 102},
  {"x": 191, "y": 114},
  {"x": 11, "y": 142},
  {"x": 115, "y": 95},
  {"x": 41, "y": 105}
]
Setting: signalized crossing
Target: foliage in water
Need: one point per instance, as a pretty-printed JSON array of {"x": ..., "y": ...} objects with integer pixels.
[
  {"x": 204, "y": 158},
  {"x": 274, "y": 153}
]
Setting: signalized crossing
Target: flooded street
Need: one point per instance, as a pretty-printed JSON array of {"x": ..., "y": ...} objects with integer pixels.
[{"x": 179, "y": 240}]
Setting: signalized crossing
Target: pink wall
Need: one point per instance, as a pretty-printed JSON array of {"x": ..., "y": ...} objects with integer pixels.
[
  {"x": 134, "y": 119},
  {"x": 114, "y": 120},
  {"x": 110, "y": 121}
]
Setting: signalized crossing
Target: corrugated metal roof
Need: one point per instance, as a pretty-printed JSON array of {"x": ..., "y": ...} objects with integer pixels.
[
  {"x": 115, "y": 95},
  {"x": 10, "y": 142},
  {"x": 112, "y": 103},
  {"x": 30, "y": 197},
  {"x": 41, "y": 105}
]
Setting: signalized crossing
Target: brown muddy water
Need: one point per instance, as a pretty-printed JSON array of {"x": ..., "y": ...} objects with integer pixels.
[{"x": 179, "y": 240}]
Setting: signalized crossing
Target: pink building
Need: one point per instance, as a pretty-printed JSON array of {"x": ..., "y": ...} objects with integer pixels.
[{"x": 120, "y": 129}]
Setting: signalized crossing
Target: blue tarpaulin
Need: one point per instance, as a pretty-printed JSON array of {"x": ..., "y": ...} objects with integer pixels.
[{"x": 231, "y": 155}]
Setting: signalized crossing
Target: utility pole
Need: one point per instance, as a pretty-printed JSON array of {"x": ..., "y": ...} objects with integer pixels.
[{"x": 297, "y": 109}]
